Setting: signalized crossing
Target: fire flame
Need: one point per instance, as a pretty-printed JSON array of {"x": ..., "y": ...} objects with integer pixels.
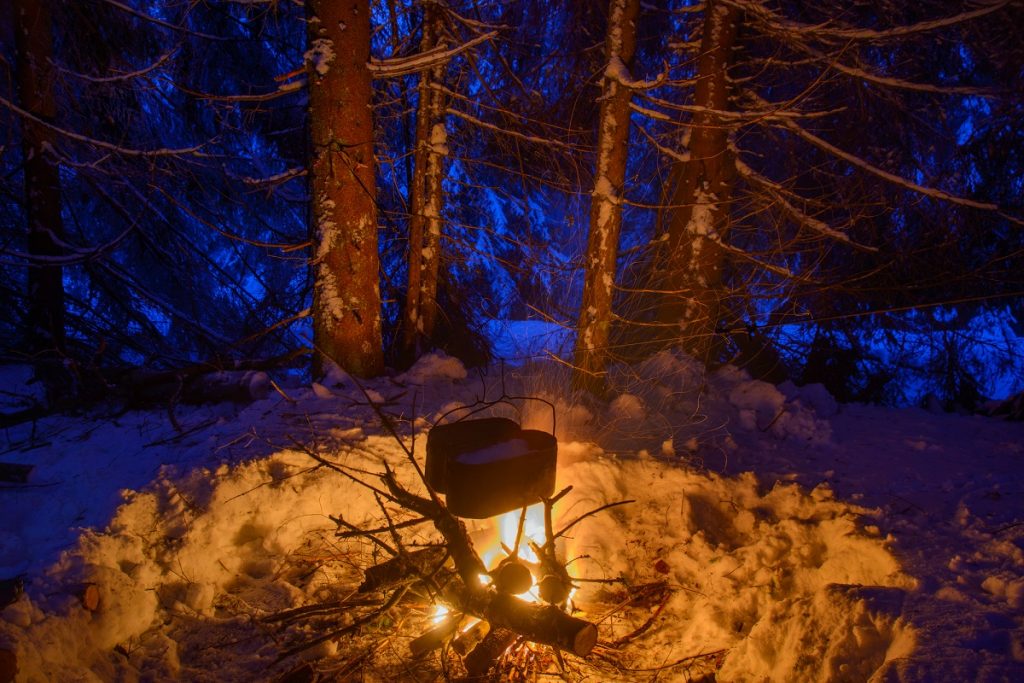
[{"x": 505, "y": 529}]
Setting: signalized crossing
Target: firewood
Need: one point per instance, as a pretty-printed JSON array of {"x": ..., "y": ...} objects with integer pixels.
[
  {"x": 487, "y": 651},
  {"x": 545, "y": 624},
  {"x": 422, "y": 562},
  {"x": 302, "y": 674},
  {"x": 435, "y": 637},
  {"x": 89, "y": 596},
  {"x": 467, "y": 562},
  {"x": 512, "y": 576},
  {"x": 539, "y": 623},
  {"x": 468, "y": 639},
  {"x": 143, "y": 387},
  {"x": 554, "y": 589}
]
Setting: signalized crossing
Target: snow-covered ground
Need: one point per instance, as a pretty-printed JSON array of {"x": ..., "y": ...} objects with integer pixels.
[{"x": 785, "y": 537}]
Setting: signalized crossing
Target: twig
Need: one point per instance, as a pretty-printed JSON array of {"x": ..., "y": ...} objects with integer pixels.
[
  {"x": 354, "y": 626},
  {"x": 319, "y": 609},
  {"x": 356, "y": 531},
  {"x": 643, "y": 628},
  {"x": 379, "y": 530},
  {"x": 588, "y": 514}
]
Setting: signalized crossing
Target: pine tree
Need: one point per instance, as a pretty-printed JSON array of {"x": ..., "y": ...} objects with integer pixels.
[
  {"x": 346, "y": 289},
  {"x": 606, "y": 205},
  {"x": 34, "y": 57}
]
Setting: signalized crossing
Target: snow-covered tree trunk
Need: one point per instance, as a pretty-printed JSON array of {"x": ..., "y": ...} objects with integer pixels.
[
  {"x": 591, "y": 352},
  {"x": 346, "y": 263},
  {"x": 34, "y": 54},
  {"x": 426, "y": 197},
  {"x": 698, "y": 220}
]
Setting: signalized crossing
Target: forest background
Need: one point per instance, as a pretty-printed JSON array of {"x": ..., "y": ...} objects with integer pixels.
[{"x": 821, "y": 191}]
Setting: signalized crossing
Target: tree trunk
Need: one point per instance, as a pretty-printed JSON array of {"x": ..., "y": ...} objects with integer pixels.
[
  {"x": 425, "y": 198},
  {"x": 698, "y": 219},
  {"x": 591, "y": 352},
  {"x": 346, "y": 263},
  {"x": 34, "y": 54}
]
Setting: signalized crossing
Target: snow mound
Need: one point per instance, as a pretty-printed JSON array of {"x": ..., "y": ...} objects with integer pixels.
[
  {"x": 869, "y": 545},
  {"x": 433, "y": 367},
  {"x": 176, "y": 555},
  {"x": 765, "y": 408},
  {"x": 753, "y": 570}
]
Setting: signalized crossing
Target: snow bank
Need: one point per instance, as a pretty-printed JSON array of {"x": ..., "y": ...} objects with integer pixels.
[
  {"x": 785, "y": 581},
  {"x": 433, "y": 367},
  {"x": 753, "y": 569},
  {"x": 178, "y": 550}
]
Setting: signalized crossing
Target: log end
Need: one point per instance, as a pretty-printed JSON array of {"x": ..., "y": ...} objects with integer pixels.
[
  {"x": 89, "y": 595},
  {"x": 585, "y": 640}
]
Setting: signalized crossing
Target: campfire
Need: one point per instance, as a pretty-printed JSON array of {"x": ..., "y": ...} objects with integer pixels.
[
  {"x": 497, "y": 593},
  {"x": 518, "y": 589},
  {"x": 501, "y": 591}
]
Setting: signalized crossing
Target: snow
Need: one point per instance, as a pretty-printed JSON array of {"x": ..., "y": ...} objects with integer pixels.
[
  {"x": 432, "y": 367},
  {"x": 18, "y": 390},
  {"x": 798, "y": 539},
  {"x": 439, "y": 139},
  {"x": 320, "y": 55}
]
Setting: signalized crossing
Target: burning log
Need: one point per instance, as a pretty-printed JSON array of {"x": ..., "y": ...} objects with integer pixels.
[
  {"x": 464, "y": 643},
  {"x": 512, "y": 576},
  {"x": 479, "y": 661},
  {"x": 539, "y": 623},
  {"x": 503, "y": 617},
  {"x": 545, "y": 624},
  {"x": 435, "y": 637}
]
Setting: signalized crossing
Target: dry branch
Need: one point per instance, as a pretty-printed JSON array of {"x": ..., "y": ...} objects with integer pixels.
[{"x": 423, "y": 563}]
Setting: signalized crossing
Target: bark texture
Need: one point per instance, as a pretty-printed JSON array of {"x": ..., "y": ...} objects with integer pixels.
[
  {"x": 346, "y": 263},
  {"x": 698, "y": 220},
  {"x": 426, "y": 197},
  {"x": 591, "y": 352},
  {"x": 34, "y": 56}
]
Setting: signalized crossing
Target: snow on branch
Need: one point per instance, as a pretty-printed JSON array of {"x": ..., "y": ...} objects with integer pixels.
[
  {"x": 747, "y": 256},
  {"x": 101, "y": 144},
  {"x": 504, "y": 131},
  {"x": 652, "y": 114},
  {"x": 163, "y": 24},
  {"x": 277, "y": 178},
  {"x": 282, "y": 90},
  {"x": 773, "y": 21},
  {"x": 682, "y": 157},
  {"x": 886, "y": 175},
  {"x": 767, "y": 110},
  {"x": 123, "y": 76},
  {"x": 402, "y": 66},
  {"x": 891, "y": 82},
  {"x": 778, "y": 193},
  {"x": 77, "y": 254},
  {"x": 617, "y": 71}
]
